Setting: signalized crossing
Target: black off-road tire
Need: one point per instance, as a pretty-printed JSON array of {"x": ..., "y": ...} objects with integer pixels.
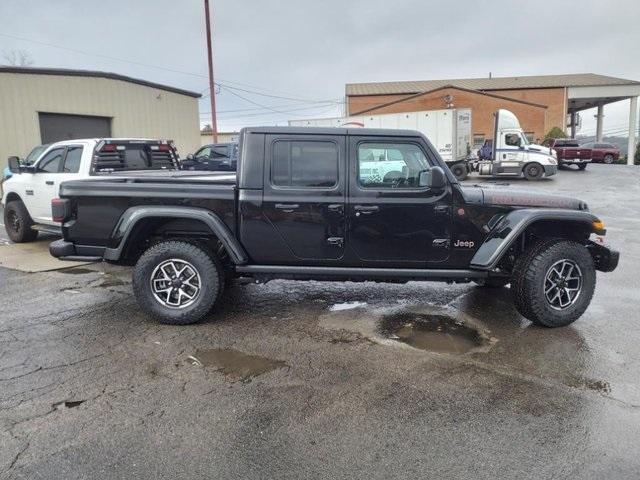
[
  {"x": 460, "y": 171},
  {"x": 608, "y": 159},
  {"x": 18, "y": 222},
  {"x": 582, "y": 166},
  {"x": 533, "y": 171},
  {"x": 493, "y": 282},
  {"x": 207, "y": 266},
  {"x": 528, "y": 279}
]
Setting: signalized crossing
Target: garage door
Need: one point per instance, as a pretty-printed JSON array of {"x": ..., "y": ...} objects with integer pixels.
[{"x": 56, "y": 126}]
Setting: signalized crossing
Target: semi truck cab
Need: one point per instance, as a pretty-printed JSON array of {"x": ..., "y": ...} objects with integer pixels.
[{"x": 513, "y": 155}]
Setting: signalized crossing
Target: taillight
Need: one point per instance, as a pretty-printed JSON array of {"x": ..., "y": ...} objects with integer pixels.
[{"x": 60, "y": 210}]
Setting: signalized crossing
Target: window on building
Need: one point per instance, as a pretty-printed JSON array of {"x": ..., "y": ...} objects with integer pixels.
[
  {"x": 304, "y": 164},
  {"x": 390, "y": 165},
  {"x": 50, "y": 163},
  {"x": 478, "y": 140}
]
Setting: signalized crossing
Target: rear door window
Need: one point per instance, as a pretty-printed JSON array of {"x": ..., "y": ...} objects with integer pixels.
[
  {"x": 220, "y": 151},
  {"x": 72, "y": 160},
  {"x": 304, "y": 164}
]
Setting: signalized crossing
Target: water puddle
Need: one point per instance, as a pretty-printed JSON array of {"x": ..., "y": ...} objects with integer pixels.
[
  {"x": 600, "y": 386},
  {"x": 433, "y": 332},
  {"x": 234, "y": 363}
]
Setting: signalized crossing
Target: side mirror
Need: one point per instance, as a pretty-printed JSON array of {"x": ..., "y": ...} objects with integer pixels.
[
  {"x": 190, "y": 156},
  {"x": 434, "y": 178},
  {"x": 14, "y": 164}
]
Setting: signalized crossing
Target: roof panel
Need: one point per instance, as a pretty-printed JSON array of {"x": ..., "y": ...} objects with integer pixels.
[
  {"x": 95, "y": 74},
  {"x": 495, "y": 83}
]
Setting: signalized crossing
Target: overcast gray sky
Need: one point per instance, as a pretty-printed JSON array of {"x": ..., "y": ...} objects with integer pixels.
[{"x": 307, "y": 50}]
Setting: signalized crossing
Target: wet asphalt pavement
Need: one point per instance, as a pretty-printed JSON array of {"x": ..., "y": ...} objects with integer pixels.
[{"x": 320, "y": 380}]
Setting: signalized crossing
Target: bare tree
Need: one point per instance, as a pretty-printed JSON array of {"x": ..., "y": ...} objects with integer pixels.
[{"x": 17, "y": 58}]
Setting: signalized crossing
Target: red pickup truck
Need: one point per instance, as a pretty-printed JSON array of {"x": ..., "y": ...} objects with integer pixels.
[
  {"x": 603, "y": 152},
  {"x": 569, "y": 152}
]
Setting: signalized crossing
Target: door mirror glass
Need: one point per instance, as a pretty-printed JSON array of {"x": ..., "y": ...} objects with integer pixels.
[
  {"x": 434, "y": 178},
  {"x": 14, "y": 164},
  {"x": 190, "y": 156}
]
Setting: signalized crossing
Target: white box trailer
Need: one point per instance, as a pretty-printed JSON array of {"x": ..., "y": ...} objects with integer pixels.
[{"x": 448, "y": 130}]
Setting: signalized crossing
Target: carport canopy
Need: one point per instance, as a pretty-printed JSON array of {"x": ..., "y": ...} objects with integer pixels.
[{"x": 586, "y": 97}]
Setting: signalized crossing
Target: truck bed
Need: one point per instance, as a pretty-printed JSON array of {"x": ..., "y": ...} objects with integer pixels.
[{"x": 105, "y": 199}]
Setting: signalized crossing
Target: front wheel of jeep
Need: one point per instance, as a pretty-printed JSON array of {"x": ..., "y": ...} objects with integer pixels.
[
  {"x": 553, "y": 282},
  {"x": 177, "y": 282}
]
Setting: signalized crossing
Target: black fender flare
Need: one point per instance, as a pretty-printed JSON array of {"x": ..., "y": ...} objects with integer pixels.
[
  {"x": 133, "y": 215},
  {"x": 511, "y": 225}
]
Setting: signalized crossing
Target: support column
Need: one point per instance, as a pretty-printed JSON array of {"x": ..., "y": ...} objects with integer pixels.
[
  {"x": 599, "y": 118},
  {"x": 573, "y": 124},
  {"x": 633, "y": 128}
]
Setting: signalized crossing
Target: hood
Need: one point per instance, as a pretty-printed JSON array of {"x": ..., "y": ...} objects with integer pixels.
[
  {"x": 522, "y": 198},
  {"x": 539, "y": 148}
]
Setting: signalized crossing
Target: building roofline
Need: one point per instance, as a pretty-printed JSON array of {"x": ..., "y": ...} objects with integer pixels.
[
  {"x": 527, "y": 82},
  {"x": 419, "y": 94},
  {"x": 68, "y": 72}
]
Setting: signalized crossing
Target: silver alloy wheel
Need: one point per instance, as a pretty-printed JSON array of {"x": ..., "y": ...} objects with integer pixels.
[
  {"x": 563, "y": 284},
  {"x": 175, "y": 283}
]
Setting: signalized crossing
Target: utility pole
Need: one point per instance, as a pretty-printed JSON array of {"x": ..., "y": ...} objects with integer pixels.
[{"x": 212, "y": 84}]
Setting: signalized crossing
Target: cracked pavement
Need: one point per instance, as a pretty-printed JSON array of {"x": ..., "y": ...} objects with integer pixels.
[{"x": 91, "y": 388}]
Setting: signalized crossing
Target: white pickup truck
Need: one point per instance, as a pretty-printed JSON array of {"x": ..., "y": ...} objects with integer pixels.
[{"x": 28, "y": 193}]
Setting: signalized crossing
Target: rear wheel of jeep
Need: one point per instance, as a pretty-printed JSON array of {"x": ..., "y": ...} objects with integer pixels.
[
  {"x": 553, "y": 282},
  {"x": 582, "y": 166},
  {"x": 533, "y": 171},
  {"x": 177, "y": 282},
  {"x": 18, "y": 222}
]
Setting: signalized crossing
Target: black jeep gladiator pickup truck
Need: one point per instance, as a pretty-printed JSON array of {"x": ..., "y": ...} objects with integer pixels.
[{"x": 331, "y": 204}]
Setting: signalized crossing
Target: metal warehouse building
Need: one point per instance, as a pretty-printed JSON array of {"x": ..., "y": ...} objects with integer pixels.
[{"x": 44, "y": 105}]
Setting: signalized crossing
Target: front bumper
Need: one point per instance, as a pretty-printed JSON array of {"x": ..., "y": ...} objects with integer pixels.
[
  {"x": 574, "y": 161},
  {"x": 64, "y": 250},
  {"x": 605, "y": 259},
  {"x": 550, "y": 170}
]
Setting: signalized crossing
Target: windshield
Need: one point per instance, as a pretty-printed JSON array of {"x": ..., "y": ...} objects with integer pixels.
[{"x": 35, "y": 154}]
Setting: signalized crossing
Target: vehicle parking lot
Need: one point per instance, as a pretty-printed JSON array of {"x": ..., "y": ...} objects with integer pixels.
[{"x": 324, "y": 380}]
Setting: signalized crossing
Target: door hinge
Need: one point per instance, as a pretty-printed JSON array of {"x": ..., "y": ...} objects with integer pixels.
[{"x": 335, "y": 241}]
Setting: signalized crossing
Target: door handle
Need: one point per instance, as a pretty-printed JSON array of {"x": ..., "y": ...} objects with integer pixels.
[
  {"x": 335, "y": 207},
  {"x": 335, "y": 241},
  {"x": 49, "y": 182},
  {"x": 366, "y": 209},
  {"x": 287, "y": 207}
]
